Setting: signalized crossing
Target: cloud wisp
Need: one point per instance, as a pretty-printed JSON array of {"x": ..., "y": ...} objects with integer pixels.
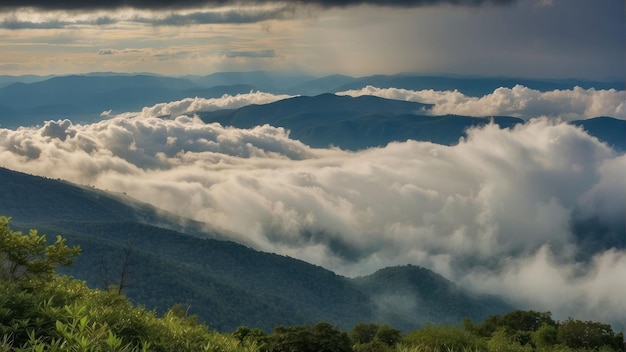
[
  {"x": 501, "y": 211},
  {"x": 165, "y": 4},
  {"x": 519, "y": 101},
  {"x": 189, "y": 106},
  {"x": 36, "y": 14},
  {"x": 62, "y": 18}
]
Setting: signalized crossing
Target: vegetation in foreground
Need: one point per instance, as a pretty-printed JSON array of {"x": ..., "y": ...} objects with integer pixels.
[{"x": 42, "y": 311}]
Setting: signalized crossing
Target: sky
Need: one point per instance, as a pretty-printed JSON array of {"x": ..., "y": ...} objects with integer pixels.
[{"x": 514, "y": 38}]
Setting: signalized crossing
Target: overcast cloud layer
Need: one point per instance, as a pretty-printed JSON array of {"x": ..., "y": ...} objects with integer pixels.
[
  {"x": 169, "y": 4},
  {"x": 523, "y": 38},
  {"x": 499, "y": 212},
  {"x": 519, "y": 101}
]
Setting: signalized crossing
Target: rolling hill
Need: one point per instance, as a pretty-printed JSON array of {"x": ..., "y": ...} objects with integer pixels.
[
  {"x": 83, "y": 98},
  {"x": 607, "y": 129},
  {"x": 368, "y": 121},
  {"x": 406, "y": 293}
]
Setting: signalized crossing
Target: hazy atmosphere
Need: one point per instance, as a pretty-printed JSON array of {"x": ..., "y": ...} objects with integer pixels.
[{"x": 535, "y": 212}]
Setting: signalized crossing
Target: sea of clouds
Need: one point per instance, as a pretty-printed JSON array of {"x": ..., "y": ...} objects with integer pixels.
[
  {"x": 503, "y": 211},
  {"x": 519, "y": 101}
]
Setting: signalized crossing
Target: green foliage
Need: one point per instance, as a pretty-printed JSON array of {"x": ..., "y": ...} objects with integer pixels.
[
  {"x": 519, "y": 324},
  {"x": 373, "y": 346},
  {"x": 501, "y": 341},
  {"x": 545, "y": 336},
  {"x": 65, "y": 315},
  {"x": 363, "y": 333},
  {"x": 26, "y": 257},
  {"x": 248, "y": 337},
  {"x": 40, "y": 311},
  {"x": 387, "y": 335},
  {"x": 373, "y": 337},
  {"x": 444, "y": 338},
  {"x": 321, "y": 337},
  {"x": 530, "y": 330},
  {"x": 588, "y": 335},
  {"x": 327, "y": 338},
  {"x": 526, "y": 320}
]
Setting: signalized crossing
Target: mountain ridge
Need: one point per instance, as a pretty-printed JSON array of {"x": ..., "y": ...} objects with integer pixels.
[
  {"x": 31, "y": 100},
  {"x": 369, "y": 121}
]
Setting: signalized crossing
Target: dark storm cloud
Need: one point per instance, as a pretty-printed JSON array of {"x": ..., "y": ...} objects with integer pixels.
[
  {"x": 239, "y": 16},
  {"x": 165, "y": 4},
  {"x": 15, "y": 24},
  {"x": 221, "y": 17}
]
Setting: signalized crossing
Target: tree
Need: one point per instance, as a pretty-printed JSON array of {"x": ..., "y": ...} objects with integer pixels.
[
  {"x": 120, "y": 282},
  {"x": 251, "y": 337},
  {"x": 526, "y": 320},
  {"x": 501, "y": 341},
  {"x": 545, "y": 336},
  {"x": 329, "y": 339},
  {"x": 291, "y": 339},
  {"x": 443, "y": 337},
  {"x": 363, "y": 333},
  {"x": 519, "y": 324},
  {"x": 322, "y": 337},
  {"x": 26, "y": 257},
  {"x": 588, "y": 335},
  {"x": 388, "y": 335}
]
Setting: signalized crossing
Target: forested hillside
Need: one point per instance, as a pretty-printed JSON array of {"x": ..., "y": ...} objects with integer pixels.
[
  {"x": 41, "y": 311},
  {"x": 226, "y": 284}
]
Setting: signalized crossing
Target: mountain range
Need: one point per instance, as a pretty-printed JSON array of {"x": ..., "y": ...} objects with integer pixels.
[
  {"x": 369, "y": 121},
  {"x": 167, "y": 261},
  {"x": 31, "y": 100}
]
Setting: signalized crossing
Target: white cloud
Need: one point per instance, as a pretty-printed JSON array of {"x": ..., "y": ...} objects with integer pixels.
[
  {"x": 30, "y": 18},
  {"x": 495, "y": 211},
  {"x": 543, "y": 282},
  {"x": 192, "y": 105},
  {"x": 519, "y": 101},
  {"x": 106, "y": 51}
]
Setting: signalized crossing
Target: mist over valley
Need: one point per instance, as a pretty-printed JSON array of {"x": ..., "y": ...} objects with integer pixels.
[{"x": 527, "y": 207}]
